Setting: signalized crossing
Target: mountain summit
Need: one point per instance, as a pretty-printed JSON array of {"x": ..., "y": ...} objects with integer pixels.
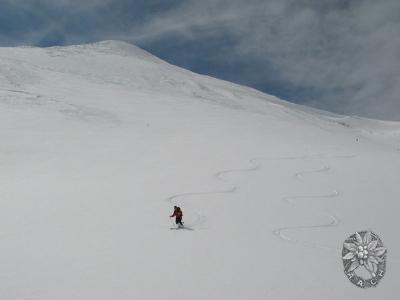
[{"x": 116, "y": 64}]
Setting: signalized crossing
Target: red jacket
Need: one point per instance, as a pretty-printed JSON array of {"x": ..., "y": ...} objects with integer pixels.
[{"x": 177, "y": 213}]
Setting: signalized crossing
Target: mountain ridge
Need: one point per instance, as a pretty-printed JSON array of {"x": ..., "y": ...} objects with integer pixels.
[{"x": 120, "y": 63}]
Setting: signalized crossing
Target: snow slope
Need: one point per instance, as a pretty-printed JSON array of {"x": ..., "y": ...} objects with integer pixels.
[{"x": 99, "y": 141}]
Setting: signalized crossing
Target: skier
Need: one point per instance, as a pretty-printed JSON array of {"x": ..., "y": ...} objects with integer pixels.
[{"x": 178, "y": 216}]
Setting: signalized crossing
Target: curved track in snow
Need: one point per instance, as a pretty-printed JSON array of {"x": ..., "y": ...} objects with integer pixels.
[
  {"x": 255, "y": 167},
  {"x": 322, "y": 170},
  {"x": 218, "y": 175},
  {"x": 333, "y": 221},
  {"x": 291, "y": 200},
  {"x": 173, "y": 197}
]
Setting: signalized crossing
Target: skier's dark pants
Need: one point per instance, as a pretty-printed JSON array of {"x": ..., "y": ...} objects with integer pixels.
[{"x": 178, "y": 221}]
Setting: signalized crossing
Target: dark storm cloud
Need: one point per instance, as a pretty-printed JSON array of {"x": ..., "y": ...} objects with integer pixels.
[{"x": 334, "y": 54}]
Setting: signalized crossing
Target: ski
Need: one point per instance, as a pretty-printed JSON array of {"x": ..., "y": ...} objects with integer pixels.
[{"x": 183, "y": 227}]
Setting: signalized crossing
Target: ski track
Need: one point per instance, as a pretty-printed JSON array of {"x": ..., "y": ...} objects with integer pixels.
[
  {"x": 218, "y": 175},
  {"x": 256, "y": 167},
  {"x": 279, "y": 232},
  {"x": 334, "y": 221},
  {"x": 299, "y": 175}
]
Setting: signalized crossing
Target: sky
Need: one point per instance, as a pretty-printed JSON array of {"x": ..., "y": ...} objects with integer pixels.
[{"x": 338, "y": 55}]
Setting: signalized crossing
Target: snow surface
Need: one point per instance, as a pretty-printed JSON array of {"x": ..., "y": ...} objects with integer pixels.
[{"x": 98, "y": 142}]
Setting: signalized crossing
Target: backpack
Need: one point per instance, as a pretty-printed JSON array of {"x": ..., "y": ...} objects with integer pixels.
[{"x": 179, "y": 213}]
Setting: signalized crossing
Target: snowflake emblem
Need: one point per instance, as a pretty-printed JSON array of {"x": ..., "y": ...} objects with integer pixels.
[{"x": 364, "y": 251}]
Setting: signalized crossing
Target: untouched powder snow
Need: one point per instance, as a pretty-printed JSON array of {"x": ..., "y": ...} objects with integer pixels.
[{"x": 98, "y": 142}]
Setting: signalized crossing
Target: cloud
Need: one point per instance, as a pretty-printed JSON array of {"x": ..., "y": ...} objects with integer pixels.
[
  {"x": 28, "y": 22},
  {"x": 74, "y": 21},
  {"x": 340, "y": 55},
  {"x": 346, "y": 53}
]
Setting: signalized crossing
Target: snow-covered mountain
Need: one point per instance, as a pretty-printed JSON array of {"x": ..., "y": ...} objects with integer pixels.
[{"x": 99, "y": 141}]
